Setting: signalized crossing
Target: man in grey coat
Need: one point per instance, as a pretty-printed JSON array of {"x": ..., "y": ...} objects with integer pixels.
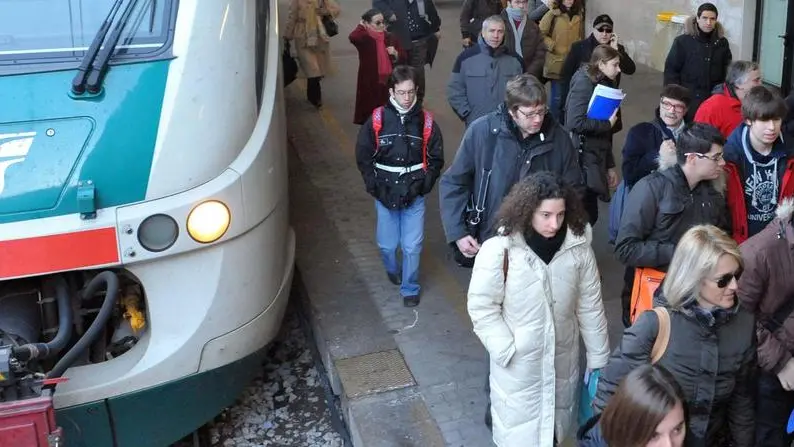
[
  {"x": 477, "y": 84},
  {"x": 497, "y": 151}
]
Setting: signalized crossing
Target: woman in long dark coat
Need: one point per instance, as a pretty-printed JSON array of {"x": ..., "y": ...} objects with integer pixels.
[{"x": 378, "y": 51}]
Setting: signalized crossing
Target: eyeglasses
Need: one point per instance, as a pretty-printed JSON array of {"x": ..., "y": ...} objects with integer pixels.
[
  {"x": 604, "y": 30},
  {"x": 723, "y": 281},
  {"x": 378, "y": 23},
  {"x": 536, "y": 114},
  {"x": 404, "y": 92},
  {"x": 715, "y": 157},
  {"x": 670, "y": 106}
]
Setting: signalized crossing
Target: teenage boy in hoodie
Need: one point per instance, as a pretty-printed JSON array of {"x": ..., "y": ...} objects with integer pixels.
[{"x": 758, "y": 163}]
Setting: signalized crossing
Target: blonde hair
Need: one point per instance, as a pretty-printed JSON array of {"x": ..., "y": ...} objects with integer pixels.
[{"x": 695, "y": 258}]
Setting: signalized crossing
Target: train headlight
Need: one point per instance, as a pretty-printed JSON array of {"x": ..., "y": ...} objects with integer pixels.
[
  {"x": 158, "y": 232},
  {"x": 208, "y": 221}
]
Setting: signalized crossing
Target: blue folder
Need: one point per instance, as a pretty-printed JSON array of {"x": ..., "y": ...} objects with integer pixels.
[{"x": 604, "y": 102}]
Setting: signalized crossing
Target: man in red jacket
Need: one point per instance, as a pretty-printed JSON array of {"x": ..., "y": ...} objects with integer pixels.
[{"x": 723, "y": 109}]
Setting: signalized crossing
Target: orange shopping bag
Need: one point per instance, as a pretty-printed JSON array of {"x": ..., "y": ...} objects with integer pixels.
[{"x": 646, "y": 281}]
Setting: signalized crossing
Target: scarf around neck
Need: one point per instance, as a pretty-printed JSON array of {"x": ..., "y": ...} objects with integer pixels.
[
  {"x": 400, "y": 109},
  {"x": 381, "y": 55},
  {"x": 517, "y": 14}
]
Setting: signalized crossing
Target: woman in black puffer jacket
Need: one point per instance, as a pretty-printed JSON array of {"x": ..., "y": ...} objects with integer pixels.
[
  {"x": 594, "y": 137},
  {"x": 712, "y": 346}
]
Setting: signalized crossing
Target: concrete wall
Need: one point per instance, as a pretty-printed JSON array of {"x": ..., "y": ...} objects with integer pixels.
[{"x": 648, "y": 40}]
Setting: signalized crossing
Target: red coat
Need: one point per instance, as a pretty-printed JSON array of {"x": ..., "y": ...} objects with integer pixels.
[
  {"x": 369, "y": 92},
  {"x": 721, "y": 110}
]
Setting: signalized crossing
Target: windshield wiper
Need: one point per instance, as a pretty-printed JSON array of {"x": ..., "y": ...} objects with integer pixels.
[
  {"x": 100, "y": 66},
  {"x": 78, "y": 83}
]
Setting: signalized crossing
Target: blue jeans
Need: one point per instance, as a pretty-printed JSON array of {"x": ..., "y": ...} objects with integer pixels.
[
  {"x": 555, "y": 102},
  {"x": 404, "y": 228}
]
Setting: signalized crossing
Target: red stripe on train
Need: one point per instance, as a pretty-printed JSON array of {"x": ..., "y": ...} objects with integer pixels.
[{"x": 67, "y": 251}]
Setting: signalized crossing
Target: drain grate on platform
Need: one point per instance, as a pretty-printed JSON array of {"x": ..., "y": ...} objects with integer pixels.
[{"x": 374, "y": 373}]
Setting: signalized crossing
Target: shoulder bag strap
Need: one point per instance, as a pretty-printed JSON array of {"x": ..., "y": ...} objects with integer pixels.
[
  {"x": 505, "y": 264},
  {"x": 663, "y": 336}
]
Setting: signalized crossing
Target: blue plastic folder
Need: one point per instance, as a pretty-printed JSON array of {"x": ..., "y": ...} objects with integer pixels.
[
  {"x": 604, "y": 102},
  {"x": 589, "y": 388},
  {"x": 790, "y": 425}
]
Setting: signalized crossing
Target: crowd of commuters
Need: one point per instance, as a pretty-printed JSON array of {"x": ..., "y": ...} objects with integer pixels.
[{"x": 708, "y": 203}]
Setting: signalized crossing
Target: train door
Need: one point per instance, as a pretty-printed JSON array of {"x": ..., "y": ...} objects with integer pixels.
[{"x": 775, "y": 42}]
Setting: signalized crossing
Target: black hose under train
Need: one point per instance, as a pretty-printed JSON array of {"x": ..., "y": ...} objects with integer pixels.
[
  {"x": 31, "y": 351},
  {"x": 111, "y": 282}
]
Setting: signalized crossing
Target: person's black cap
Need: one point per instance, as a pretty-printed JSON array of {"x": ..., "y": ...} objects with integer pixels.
[{"x": 603, "y": 20}]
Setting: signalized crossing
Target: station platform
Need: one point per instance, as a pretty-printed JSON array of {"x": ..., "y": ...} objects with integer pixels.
[{"x": 405, "y": 376}]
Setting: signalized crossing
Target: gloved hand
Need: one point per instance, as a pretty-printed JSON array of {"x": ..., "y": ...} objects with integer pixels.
[{"x": 786, "y": 376}]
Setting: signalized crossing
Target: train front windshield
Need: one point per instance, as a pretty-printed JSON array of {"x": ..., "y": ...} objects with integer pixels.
[{"x": 36, "y": 32}]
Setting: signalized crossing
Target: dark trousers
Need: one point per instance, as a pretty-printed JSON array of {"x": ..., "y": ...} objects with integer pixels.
[
  {"x": 625, "y": 295},
  {"x": 417, "y": 58},
  {"x": 590, "y": 202},
  {"x": 314, "y": 92},
  {"x": 773, "y": 407}
]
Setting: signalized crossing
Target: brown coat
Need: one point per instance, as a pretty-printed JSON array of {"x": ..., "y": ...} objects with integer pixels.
[
  {"x": 559, "y": 38},
  {"x": 767, "y": 283},
  {"x": 532, "y": 45},
  {"x": 312, "y": 48}
]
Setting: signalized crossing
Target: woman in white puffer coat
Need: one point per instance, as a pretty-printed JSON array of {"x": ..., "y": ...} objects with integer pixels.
[{"x": 534, "y": 286}]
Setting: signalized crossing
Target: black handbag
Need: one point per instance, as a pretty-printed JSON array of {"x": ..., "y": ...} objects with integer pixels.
[
  {"x": 331, "y": 27},
  {"x": 289, "y": 65},
  {"x": 475, "y": 209}
]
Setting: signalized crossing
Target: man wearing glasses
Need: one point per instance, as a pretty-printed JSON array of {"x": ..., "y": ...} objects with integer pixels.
[
  {"x": 646, "y": 141},
  {"x": 760, "y": 164},
  {"x": 603, "y": 34},
  {"x": 497, "y": 151},
  {"x": 723, "y": 109},
  {"x": 400, "y": 154},
  {"x": 685, "y": 191}
]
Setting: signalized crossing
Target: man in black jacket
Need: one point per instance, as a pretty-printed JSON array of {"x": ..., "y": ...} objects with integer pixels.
[
  {"x": 418, "y": 26},
  {"x": 400, "y": 155},
  {"x": 687, "y": 190},
  {"x": 603, "y": 34},
  {"x": 646, "y": 141},
  {"x": 699, "y": 58},
  {"x": 519, "y": 138},
  {"x": 497, "y": 151}
]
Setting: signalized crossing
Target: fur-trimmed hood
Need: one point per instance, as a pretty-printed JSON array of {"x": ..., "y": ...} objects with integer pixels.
[
  {"x": 668, "y": 160},
  {"x": 785, "y": 209},
  {"x": 691, "y": 27}
]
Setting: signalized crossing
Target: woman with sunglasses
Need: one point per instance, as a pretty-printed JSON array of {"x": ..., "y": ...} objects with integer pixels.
[
  {"x": 378, "y": 51},
  {"x": 711, "y": 350}
]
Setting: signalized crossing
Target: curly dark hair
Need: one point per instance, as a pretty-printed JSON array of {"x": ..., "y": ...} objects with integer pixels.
[{"x": 515, "y": 213}]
